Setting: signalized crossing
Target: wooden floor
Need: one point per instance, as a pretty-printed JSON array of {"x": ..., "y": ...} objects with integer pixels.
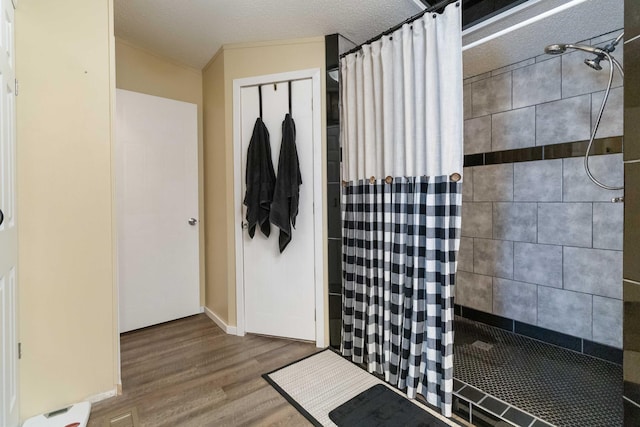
[{"x": 190, "y": 373}]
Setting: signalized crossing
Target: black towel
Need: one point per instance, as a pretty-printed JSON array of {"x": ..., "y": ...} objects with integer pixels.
[
  {"x": 286, "y": 194},
  {"x": 260, "y": 178}
]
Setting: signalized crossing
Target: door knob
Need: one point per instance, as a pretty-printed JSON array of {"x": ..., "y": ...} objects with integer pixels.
[
  {"x": 245, "y": 225},
  {"x": 193, "y": 221}
]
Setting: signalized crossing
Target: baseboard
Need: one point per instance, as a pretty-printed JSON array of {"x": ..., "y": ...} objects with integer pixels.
[
  {"x": 102, "y": 396},
  {"x": 231, "y": 330}
]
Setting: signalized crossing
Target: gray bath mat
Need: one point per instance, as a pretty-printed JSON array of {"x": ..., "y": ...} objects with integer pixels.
[{"x": 322, "y": 382}]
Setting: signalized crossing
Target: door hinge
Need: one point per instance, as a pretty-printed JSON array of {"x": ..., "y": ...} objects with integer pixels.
[
  {"x": 19, "y": 350},
  {"x": 17, "y": 87}
]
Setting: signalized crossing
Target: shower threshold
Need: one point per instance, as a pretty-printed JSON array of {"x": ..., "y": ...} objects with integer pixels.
[{"x": 503, "y": 379}]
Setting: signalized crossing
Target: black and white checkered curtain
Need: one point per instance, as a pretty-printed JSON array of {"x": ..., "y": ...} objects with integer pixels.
[
  {"x": 402, "y": 159},
  {"x": 400, "y": 242}
]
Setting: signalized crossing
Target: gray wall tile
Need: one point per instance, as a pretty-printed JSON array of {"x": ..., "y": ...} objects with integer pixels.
[
  {"x": 515, "y": 221},
  {"x": 513, "y": 129},
  {"x": 540, "y": 264},
  {"x": 515, "y": 300},
  {"x": 491, "y": 95},
  {"x": 493, "y": 258},
  {"x": 493, "y": 183},
  {"x": 465, "y": 255},
  {"x": 466, "y": 92},
  {"x": 477, "y": 135},
  {"x": 607, "y": 37},
  {"x": 515, "y": 66},
  {"x": 545, "y": 57},
  {"x": 565, "y": 311},
  {"x": 540, "y": 101},
  {"x": 565, "y": 224},
  {"x": 539, "y": 181},
  {"x": 477, "y": 77},
  {"x": 474, "y": 290},
  {"x": 477, "y": 219},
  {"x": 612, "y": 122},
  {"x": 593, "y": 271},
  {"x": 578, "y": 79},
  {"x": 608, "y": 225},
  {"x": 607, "y": 321},
  {"x": 467, "y": 184},
  {"x": 566, "y": 120},
  {"x": 537, "y": 83},
  {"x": 576, "y": 185}
]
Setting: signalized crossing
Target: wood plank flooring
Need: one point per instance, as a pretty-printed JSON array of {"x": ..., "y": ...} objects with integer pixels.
[{"x": 190, "y": 373}]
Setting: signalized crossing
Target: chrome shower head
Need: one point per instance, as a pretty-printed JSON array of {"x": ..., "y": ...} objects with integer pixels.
[
  {"x": 594, "y": 63},
  {"x": 554, "y": 49}
]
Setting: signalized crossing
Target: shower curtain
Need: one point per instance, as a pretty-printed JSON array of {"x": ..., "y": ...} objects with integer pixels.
[{"x": 402, "y": 163}]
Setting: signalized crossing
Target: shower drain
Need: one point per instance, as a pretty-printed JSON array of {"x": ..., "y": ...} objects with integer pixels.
[{"x": 481, "y": 345}]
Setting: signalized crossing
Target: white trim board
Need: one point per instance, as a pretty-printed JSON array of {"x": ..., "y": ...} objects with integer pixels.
[
  {"x": 314, "y": 74},
  {"x": 102, "y": 396},
  {"x": 231, "y": 330}
]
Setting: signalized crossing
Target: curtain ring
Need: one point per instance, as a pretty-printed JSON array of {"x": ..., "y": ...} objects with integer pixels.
[
  {"x": 455, "y": 177},
  {"x": 372, "y": 179},
  {"x": 388, "y": 180}
]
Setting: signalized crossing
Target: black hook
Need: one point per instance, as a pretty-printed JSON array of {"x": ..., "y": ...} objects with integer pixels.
[
  {"x": 289, "y": 97},
  {"x": 260, "y": 98}
]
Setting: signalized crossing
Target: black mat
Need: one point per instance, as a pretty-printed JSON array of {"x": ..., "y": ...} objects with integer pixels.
[{"x": 381, "y": 407}]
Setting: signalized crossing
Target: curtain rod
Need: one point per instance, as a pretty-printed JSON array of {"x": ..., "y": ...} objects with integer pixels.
[{"x": 436, "y": 7}]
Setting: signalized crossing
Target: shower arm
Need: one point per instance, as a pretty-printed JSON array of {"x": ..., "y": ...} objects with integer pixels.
[{"x": 612, "y": 62}]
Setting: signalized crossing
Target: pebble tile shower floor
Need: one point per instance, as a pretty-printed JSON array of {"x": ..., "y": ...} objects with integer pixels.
[{"x": 559, "y": 386}]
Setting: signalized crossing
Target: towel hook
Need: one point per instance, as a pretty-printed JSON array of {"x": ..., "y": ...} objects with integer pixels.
[
  {"x": 260, "y": 99},
  {"x": 289, "y": 97}
]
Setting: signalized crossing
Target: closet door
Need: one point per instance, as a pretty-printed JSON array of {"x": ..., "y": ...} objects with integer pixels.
[{"x": 279, "y": 288}]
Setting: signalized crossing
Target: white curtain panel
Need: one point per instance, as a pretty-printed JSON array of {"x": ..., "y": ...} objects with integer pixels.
[{"x": 402, "y": 102}]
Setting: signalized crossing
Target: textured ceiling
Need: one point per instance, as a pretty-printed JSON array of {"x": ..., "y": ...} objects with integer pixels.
[
  {"x": 191, "y": 31},
  {"x": 505, "y": 40}
]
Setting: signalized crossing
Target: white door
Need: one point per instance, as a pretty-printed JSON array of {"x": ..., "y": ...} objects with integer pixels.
[
  {"x": 279, "y": 287},
  {"x": 8, "y": 232},
  {"x": 157, "y": 209}
]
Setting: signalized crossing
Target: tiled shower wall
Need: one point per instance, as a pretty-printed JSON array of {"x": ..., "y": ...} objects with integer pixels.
[{"x": 540, "y": 243}]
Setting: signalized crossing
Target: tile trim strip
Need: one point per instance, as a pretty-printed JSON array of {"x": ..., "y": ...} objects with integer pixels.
[
  {"x": 601, "y": 146},
  {"x": 569, "y": 342},
  {"x": 479, "y": 403}
]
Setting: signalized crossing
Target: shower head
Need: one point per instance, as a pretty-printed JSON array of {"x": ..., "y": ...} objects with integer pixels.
[
  {"x": 594, "y": 63},
  {"x": 554, "y": 49}
]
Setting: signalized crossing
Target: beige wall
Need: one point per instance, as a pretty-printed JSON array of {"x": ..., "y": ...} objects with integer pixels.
[
  {"x": 240, "y": 61},
  {"x": 66, "y": 288},
  {"x": 139, "y": 70},
  {"x": 217, "y": 251}
]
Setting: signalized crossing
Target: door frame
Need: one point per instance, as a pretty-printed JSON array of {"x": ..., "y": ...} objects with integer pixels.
[{"x": 318, "y": 210}]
